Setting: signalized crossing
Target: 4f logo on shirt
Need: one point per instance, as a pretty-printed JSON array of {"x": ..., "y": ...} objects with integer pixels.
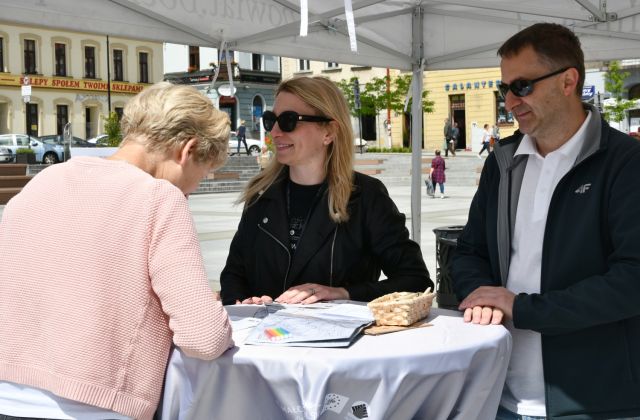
[{"x": 583, "y": 188}]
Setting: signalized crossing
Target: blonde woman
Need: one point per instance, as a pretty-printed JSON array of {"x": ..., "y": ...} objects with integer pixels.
[
  {"x": 312, "y": 228},
  {"x": 90, "y": 339}
]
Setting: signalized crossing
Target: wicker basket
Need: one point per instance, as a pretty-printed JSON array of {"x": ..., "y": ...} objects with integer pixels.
[{"x": 401, "y": 308}]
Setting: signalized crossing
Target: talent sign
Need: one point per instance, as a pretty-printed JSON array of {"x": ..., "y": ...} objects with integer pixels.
[
  {"x": 356, "y": 93},
  {"x": 26, "y": 89},
  {"x": 26, "y": 93}
]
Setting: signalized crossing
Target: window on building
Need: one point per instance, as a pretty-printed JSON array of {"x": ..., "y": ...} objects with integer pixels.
[
  {"x": 61, "y": 59},
  {"x": 502, "y": 116},
  {"x": 256, "y": 62},
  {"x": 368, "y": 126},
  {"x": 227, "y": 54},
  {"x": 332, "y": 65},
  {"x": 62, "y": 118},
  {"x": 194, "y": 58},
  {"x": 118, "y": 66},
  {"x": 271, "y": 63},
  {"x": 119, "y": 112},
  {"x": 1, "y": 55},
  {"x": 634, "y": 91},
  {"x": 90, "y": 62},
  {"x": 143, "y": 59},
  {"x": 32, "y": 120},
  {"x": 29, "y": 56},
  {"x": 304, "y": 65}
]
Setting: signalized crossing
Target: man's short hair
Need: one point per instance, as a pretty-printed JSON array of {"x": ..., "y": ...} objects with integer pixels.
[{"x": 555, "y": 44}]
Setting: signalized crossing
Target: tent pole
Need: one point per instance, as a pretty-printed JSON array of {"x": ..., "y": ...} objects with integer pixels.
[{"x": 416, "y": 124}]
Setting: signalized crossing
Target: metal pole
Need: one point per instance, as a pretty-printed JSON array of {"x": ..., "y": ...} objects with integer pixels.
[
  {"x": 108, "y": 78},
  {"x": 416, "y": 124},
  {"x": 360, "y": 132}
]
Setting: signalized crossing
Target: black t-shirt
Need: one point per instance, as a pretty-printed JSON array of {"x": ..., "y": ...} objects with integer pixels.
[{"x": 300, "y": 202}]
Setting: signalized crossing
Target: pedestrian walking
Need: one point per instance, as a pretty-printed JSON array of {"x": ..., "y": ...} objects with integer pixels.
[
  {"x": 242, "y": 137},
  {"x": 486, "y": 141},
  {"x": 447, "y": 136},
  {"x": 453, "y": 143},
  {"x": 436, "y": 173},
  {"x": 495, "y": 135}
]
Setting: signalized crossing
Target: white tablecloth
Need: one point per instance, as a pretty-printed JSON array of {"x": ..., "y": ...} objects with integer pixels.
[{"x": 451, "y": 370}]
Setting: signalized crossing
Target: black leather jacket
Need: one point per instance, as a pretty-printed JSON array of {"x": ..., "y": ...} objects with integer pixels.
[{"x": 349, "y": 255}]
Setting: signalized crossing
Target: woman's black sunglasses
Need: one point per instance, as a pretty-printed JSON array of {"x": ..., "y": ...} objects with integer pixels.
[
  {"x": 523, "y": 87},
  {"x": 288, "y": 120}
]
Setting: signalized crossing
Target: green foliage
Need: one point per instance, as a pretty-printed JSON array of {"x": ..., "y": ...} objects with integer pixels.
[
  {"x": 25, "y": 151},
  {"x": 389, "y": 150},
  {"x": 614, "y": 84},
  {"x": 375, "y": 98},
  {"x": 112, "y": 130}
]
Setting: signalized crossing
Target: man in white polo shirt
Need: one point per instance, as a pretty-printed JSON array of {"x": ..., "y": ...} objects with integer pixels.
[{"x": 552, "y": 245}]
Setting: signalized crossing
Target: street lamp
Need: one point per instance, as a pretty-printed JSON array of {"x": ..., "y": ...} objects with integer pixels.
[{"x": 26, "y": 97}]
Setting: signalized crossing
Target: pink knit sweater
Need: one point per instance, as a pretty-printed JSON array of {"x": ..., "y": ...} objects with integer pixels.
[{"x": 101, "y": 270}]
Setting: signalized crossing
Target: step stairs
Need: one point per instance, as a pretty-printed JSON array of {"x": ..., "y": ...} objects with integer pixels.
[
  {"x": 394, "y": 169},
  {"x": 232, "y": 176},
  {"x": 13, "y": 176}
]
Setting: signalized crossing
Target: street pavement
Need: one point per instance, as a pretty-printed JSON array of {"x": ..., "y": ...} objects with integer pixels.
[{"x": 217, "y": 218}]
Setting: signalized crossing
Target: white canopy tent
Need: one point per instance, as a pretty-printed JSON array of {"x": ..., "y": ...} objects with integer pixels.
[{"x": 411, "y": 35}]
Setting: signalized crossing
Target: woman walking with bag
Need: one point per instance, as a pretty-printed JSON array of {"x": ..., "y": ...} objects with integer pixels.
[{"x": 437, "y": 173}]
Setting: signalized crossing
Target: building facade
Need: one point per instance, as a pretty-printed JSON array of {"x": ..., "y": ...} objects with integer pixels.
[
  {"x": 470, "y": 98},
  {"x": 255, "y": 78},
  {"x": 382, "y": 130},
  {"x": 74, "y": 78}
]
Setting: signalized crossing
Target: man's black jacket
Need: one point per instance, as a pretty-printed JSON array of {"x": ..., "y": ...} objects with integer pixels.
[{"x": 588, "y": 311}]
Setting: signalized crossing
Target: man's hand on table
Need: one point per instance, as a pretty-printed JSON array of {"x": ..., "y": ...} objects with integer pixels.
[
  {"x": 488, "y": 305},
  {"x": 312, "y": 293}
]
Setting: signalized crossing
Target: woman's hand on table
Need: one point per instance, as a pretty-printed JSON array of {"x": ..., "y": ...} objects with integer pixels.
[
  {"x": 312, "y": 293},
  {"x": 255, "y": 300}
]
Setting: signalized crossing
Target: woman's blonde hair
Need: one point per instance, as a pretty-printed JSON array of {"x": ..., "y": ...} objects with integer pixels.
[
  {"x": 165, "y": 116},
  {"x": 327, "y": 99}
]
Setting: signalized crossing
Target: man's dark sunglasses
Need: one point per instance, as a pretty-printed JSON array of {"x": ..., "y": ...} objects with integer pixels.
[
  {"x": 288, "y": 120},
  {"x": 523, "y": 87}
]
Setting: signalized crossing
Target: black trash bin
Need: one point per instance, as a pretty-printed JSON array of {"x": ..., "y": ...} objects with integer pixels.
[{"x": 446, "y": 241}]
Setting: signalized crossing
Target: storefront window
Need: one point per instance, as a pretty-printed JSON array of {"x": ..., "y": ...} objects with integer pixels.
[{"x": 502, "y": 115}]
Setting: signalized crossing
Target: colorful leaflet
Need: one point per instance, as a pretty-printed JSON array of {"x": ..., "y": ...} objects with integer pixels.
[{"x": 275, "y": 334}]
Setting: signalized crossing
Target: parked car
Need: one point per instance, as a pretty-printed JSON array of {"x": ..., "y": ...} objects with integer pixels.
[
  {"x": 254, "y": 145},
  {"x": 54, "y": 147},
  {"x": 5, "y": 155},
  {"x": 59, "y": 139},
  {"x": 100, "y": 140},
  {"x": 360, "y": 145},
  {"x": 14, "y": 142}
]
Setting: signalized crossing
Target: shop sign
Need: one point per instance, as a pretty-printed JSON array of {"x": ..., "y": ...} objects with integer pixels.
[
  {"x": 470, "y": 85},
  {"x": 68, "y": 83}
]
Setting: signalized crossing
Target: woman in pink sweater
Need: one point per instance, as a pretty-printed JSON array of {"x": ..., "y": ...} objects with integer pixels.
[{"x": 90, "y": 310}]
